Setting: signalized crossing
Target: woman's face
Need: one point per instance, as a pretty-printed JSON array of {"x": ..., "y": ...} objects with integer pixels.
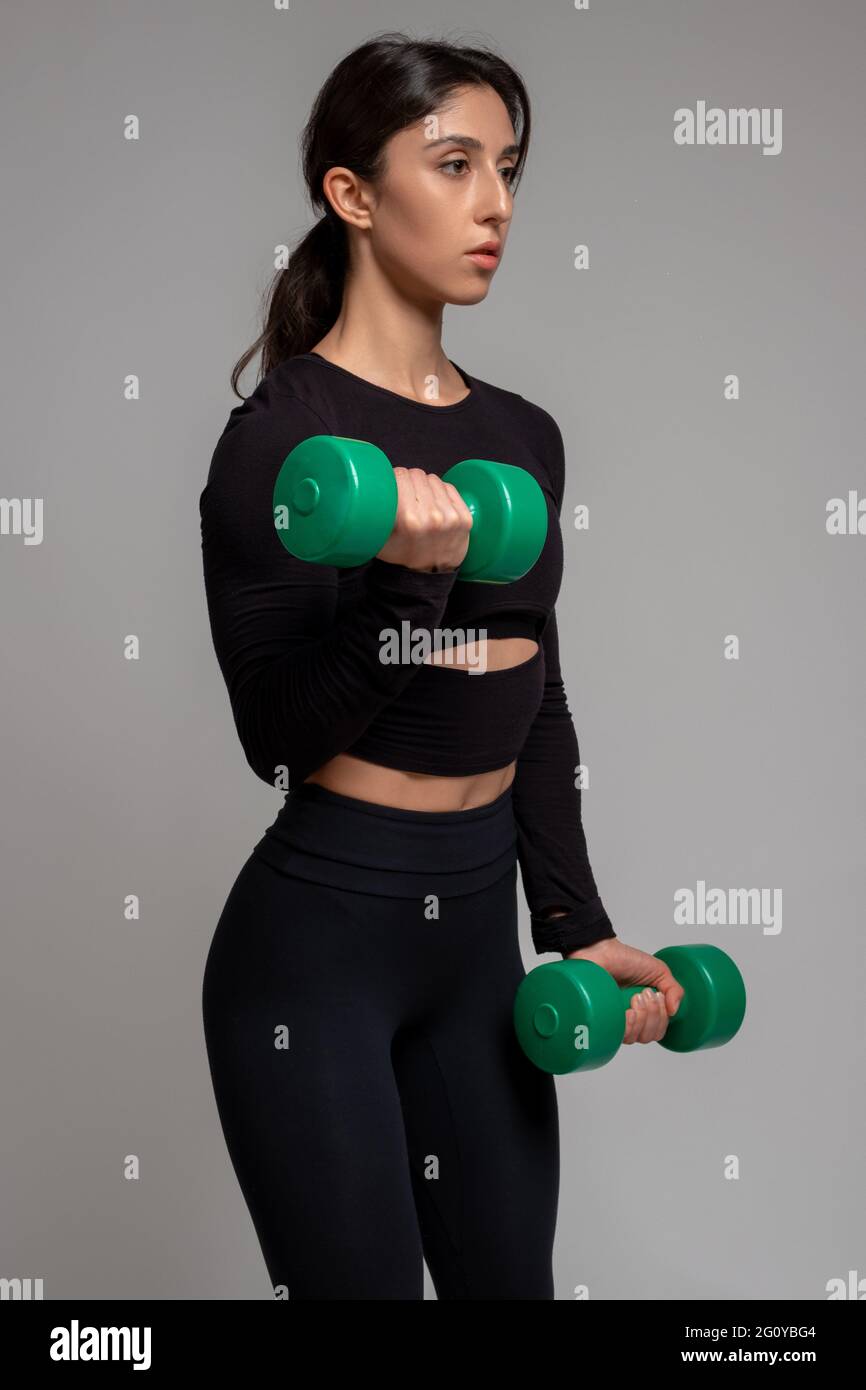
[{"x": 445, "y": 191}]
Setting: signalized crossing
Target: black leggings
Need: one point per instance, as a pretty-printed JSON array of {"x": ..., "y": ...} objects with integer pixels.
[{"x": 377, "y": 1107}]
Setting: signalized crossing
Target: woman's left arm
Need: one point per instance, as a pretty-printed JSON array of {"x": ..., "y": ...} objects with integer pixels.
[
  {"x": 555, "y": 865},
  {"x": 566, "y": 912},
  {"x": 551, "y": 844}
]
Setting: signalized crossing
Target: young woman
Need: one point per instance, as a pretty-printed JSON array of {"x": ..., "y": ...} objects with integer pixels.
[{"x": 359, "y": 986}]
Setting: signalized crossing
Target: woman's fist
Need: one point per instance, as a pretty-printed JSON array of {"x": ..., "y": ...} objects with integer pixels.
[
  {"x": 432, "y": 524},
  {"x": 647, "y": 1019}
]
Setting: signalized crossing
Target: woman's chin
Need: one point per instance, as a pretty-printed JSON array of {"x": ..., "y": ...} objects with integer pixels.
[{"x": 469, "y": 294}]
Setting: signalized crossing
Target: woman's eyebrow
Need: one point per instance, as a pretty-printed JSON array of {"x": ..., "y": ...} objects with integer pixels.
[{"x": 471, "y": 143}]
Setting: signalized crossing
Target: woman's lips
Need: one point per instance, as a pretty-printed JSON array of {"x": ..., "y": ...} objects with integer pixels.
[{"x": 488, "y": 260}]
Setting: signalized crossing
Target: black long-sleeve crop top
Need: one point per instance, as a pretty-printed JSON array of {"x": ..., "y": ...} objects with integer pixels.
[{"x": 299, "y": 644}]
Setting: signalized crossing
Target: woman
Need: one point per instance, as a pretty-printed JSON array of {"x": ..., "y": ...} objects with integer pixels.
[{"x": 358, "y": 990}]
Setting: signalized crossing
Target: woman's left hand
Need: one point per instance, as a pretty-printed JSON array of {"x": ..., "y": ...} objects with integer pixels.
[{"x": 647, "y": 1019}]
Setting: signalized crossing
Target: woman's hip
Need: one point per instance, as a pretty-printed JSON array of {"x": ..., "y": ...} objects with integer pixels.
[{"x": 288, "y": 941}]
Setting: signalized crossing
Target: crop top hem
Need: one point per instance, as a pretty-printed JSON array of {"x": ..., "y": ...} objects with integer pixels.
[{"x": 381, "y": 755}]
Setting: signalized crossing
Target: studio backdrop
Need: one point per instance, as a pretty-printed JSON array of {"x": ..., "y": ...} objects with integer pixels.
[{"x": 683, "y": 292}]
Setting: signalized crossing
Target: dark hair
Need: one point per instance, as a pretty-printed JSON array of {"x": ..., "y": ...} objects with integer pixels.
[{"x": 376, "y": 90}]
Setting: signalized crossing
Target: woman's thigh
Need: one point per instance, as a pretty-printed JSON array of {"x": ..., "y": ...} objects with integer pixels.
[
  {"x": 481, "y": 1120},
  {"x": 298, "y": 1028}
]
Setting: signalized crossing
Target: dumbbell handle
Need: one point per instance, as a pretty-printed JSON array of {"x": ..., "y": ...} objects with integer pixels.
[{"x": 628, "y": 992}]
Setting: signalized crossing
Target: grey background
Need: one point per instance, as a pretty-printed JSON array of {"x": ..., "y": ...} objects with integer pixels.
[{"x": 707, "y": 518}]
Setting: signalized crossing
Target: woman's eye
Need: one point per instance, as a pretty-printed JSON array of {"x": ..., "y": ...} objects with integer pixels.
[{"x": 509, "y": 170}]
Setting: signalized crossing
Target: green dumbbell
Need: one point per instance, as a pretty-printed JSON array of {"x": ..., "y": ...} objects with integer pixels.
[
  {"x": 570, "y": 1015},
  {"x": 335, "y": 501}
]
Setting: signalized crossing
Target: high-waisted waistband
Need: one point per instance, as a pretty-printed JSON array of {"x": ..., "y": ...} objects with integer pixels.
[{"x": 325, "y": 836}]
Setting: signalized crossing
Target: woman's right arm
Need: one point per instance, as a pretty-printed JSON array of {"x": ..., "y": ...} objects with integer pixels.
[{"x": 302, "y": 685}]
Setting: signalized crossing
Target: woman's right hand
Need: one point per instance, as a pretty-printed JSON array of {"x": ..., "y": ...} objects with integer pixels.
[{"x": 432, "y": 524}]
